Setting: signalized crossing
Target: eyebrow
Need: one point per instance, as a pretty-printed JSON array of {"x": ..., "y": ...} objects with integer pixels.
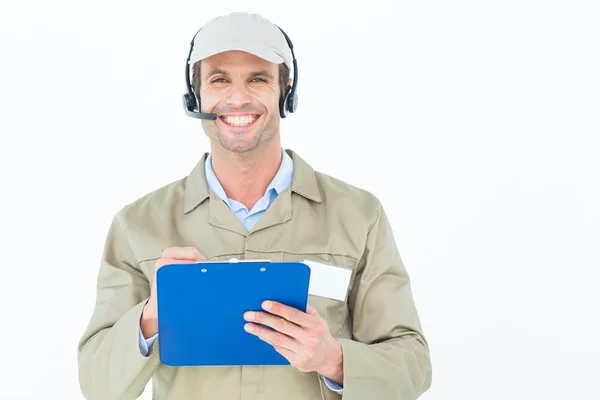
[{"x": 253, "y": 74}]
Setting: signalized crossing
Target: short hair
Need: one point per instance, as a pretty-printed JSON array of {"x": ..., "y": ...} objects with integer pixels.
[{"x": 284, "y": 76}]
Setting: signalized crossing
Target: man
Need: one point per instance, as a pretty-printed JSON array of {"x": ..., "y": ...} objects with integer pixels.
[{"x": 250, "y": 199}]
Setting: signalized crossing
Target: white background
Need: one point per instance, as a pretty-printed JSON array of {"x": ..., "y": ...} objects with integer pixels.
[{"x": 476, "y": 123}]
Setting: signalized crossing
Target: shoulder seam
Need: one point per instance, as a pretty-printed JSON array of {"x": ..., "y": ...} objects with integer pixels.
[{"x": 123, "y": 223}]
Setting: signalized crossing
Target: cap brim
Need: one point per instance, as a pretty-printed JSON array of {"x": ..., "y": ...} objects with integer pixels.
[{"x": 257, "y": 49}]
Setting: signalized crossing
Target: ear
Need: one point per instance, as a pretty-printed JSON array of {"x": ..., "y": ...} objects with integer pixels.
[{"x": 290, "y": 82}]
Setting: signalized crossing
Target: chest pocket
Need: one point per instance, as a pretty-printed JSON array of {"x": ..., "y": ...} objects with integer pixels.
[{"x": 335, "y": 312}]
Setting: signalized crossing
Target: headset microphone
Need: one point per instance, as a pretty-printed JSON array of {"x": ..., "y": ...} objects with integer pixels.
[{"x": 194, "y": 114}]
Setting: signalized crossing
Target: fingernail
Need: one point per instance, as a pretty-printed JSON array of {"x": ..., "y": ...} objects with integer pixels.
[
  {"x": 249, "y": 315},
  {"x": 248, "y": 328},
  {"x": 267, "y": 305}
]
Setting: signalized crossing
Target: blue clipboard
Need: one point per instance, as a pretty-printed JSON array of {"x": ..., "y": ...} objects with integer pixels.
[{"x": 201, "y": 310}]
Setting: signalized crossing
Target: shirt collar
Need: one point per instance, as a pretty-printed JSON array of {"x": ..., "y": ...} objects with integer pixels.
[
  {"x": 283, "y": 177},
  {"x": 281, "y": 181},
  {"x": 304, "y": 181}
]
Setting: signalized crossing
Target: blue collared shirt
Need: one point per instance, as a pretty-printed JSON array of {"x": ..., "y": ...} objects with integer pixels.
[{"x": 281, "y": 181}]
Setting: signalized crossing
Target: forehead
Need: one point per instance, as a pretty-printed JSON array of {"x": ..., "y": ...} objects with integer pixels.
[{"x": 235, "y": 61}]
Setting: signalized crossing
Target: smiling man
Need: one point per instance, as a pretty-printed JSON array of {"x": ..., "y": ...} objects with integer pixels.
[{"x": 248, "y": 198}]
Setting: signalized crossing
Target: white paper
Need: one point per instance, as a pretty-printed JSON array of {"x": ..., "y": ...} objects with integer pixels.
[{"x": 327, "y": 280}]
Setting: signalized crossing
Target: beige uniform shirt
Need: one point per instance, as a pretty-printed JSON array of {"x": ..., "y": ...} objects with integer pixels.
[{"x": 318, "y": 218}]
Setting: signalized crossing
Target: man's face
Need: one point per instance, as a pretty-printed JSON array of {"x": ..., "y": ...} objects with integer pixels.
[{"x": 243, "y": 91}]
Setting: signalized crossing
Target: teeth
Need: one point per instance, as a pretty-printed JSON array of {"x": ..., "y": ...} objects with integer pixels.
[{"x": 240, "y": 121}]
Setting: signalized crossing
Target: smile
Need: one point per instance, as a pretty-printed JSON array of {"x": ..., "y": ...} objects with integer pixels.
[{"x": 239, "y": 120}]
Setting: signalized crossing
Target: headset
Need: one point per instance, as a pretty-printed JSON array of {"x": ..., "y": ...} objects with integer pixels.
[{"x": 287, "y": 105}]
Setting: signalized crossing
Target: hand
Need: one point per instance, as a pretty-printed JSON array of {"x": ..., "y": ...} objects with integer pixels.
[
  {"x": 173, "y": 255},
  {"x": 302, "y": 338}
]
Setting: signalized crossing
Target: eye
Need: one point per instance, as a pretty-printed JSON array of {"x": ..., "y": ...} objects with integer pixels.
[
  {"x": 218, "y": 80},
  {"x": 260, "y": 80}
]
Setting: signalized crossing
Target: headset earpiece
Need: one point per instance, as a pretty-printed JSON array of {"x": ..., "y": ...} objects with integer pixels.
[
  {"x": 293, "y": 102},
  {"x": 283, "y": 104},
  {"x": 189, "y": 102},
  {"x": 289, "y": 103}
]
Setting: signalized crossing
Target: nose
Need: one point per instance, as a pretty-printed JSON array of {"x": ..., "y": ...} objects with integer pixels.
[{"x": 239, "y": 95}]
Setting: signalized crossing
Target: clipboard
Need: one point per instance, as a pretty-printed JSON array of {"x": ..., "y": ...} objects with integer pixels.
[{"x": 201, "y": 309}]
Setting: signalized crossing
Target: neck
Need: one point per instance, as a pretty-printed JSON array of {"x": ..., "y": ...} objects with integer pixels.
[{"x": 246, "y": 176}]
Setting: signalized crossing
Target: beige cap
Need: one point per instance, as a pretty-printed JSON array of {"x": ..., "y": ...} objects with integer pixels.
[{"x": 243, "y": 31}]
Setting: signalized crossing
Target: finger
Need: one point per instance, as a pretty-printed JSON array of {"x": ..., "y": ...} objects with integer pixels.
[
  {"x": 183, "y": 253},
  {"x": 290, "y": 313},
  {"x": 287, "y": 354},
  {"x": 166, "y": 261},
  {"x": 278, "y": 323},
  {"x": 272, "y": 337}
]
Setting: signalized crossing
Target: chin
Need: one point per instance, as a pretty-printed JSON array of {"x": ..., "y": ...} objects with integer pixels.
[{"x": 239, "y": 146}]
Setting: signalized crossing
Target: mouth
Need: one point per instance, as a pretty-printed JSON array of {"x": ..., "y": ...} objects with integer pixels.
[{"x": 240, "y": 120}]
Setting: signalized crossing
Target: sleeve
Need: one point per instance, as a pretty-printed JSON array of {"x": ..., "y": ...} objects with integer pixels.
[
  {"x": 110, "y": 363},
  {"x": 388, "y": 356},
  {"x": 336, "y": 387},
  {"x": 146, "y": 344}
]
